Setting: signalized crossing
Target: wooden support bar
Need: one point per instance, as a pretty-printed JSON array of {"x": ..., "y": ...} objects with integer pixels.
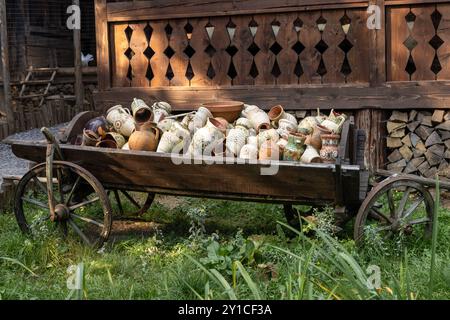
[{"x": 5, "y": 63}]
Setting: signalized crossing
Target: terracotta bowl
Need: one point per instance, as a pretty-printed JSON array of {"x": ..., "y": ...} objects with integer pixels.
[{"x": 229, "y": 110}]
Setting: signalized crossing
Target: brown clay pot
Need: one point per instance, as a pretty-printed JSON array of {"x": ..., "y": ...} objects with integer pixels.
[
  {"x": 146, "y": 138},
  {"x": 107, "y": 144},
  {"x": 315, "y": 139},
  {"x": 276, "y": 113},
  {"x": 229, "y": 110},
  {"x": 220, "y": 123}
]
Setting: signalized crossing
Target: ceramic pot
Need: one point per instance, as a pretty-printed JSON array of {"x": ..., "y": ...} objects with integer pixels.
[
  {"x": 188, "y": 122},
  {"x": 159, "y": 115},
  {"x": 253, "y": 140},
  {"x": 249, "y": 151},
  {"x": 161, "y": 105},
  {"x": 141, "y": 111},
  {"x": 166, "y": 124},
  {"x": 315, "y": 139},
  {"x": 285, "y": 127},
  {"x": 201, "y": 117},
  {"x": 122, "y": 120},
  {"x": 306, "y": 126},
  {"x": 259, "y": 119},
  {"x": 126, "y": 146},
  {"x": 310, "y": 155},
  {"x": 219, "y": 124},
  {"x": 180, "y": 130},
  {"x": 229, "y": 110},
  {"x": 244, "y": 122},
  {"x": 269, "y": 150},
  {"x": 236, "y": 139},
  {"x": 282, "y": 144},
  {"x": 271, "y": 134},
  {"x": 277, "y": 113},
  {"x": 295, "y": 147},
  {"x": 111, "y": 144},
  {"x": 90, "y": 138},
  {"x": 117, "y": 137},
  {"x": 205, "y": 139},
  {"x": 146, "y": 139},
  {"x": 99, "y": 125},
  {"x": 168, "y": 141},
  {"x": 330, "y": 145}
]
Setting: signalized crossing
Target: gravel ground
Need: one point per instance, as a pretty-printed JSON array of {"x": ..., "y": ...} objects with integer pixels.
[{"x": 9, "y": 163}]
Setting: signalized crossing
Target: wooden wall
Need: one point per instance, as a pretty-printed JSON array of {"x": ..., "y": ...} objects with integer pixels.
[{"x": 302, "y": 54}]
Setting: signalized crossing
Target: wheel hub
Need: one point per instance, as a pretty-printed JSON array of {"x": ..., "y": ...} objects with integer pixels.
[{"x": 62, "y": 213}]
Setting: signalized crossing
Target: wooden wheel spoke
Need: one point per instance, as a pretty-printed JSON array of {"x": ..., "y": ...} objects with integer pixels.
[
  {"x": 403, "y": 201},
  {"x": 413, "y": 208},
  {"x": 379, "y": 214},
  {"x": 60, "y": 187},
  {"x": 38, "y": 221},
  {"x": 84, "y": 203},
  {"x": 119, "y": 203},
  {"x": 384, "y": 228},
  {"x": 40, "y": 184},
  {"x": 36, "y": 202},
  {"x": 79, "y": 232},
  {"x": 391, "y": 203},
  {"x": 74, "y": 187},
  {"x": 88, "y": 220},
  {"x": 131, "y": 199},
  {"x": 419, "y": 221}
]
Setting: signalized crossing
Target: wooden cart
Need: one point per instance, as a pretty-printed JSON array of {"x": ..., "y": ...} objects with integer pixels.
[{"x": 69, "y": 179}]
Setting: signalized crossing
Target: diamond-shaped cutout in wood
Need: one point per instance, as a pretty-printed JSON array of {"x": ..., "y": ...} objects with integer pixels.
[
  {"x": 169, "y": 52},
  {"x": 253, "y": 26},
  {"x": 436, "y": 42},
  {"x": 410, "y": 20},
  {"x": 149, "y": 74},
  {"x": 345, "y": 23},
  {"x": 298, "y": 25},
  {"x": 254, "y": 70},
  {"x": 253, "y": 49},
  {"x": 168, "y": 29},
  {"x": 129, "y": 53},
  {"x": 189, "y": 29},
  {"x": 211, "y": 73},
  {"x": 436, "y": 65},
  {"x": 321, "y": 69},
  {"x": 189, "y": 51},
  {"x": 410, "y": 66},
  {"x": 169, "y": 73},
  {"x": 149, "y": 53},
  {"x": 298, "y": 47},
  {"x": 345, "y": 45},
  {"x": 410, "y": 43},
  {"x": 232, "y": 73},
  {"x": 321, "y": 46},
  {"x": 189, "y": 72},
  {"x": 436, "y": 18},
  {"x": 209, "y": 30},
  {"x": 345, "y": 68},
  {"x": 275, "y": 27},
  {"x": 276, "y": 71},
  {"x": 129, "y": 33},
  {"x": 231, "y": 50},
  {"x": 321, "y": 23},
  {"x": 276, "y": 48},
  {"x": 130, "y": 72},
  {"x": 210, "y": 50},
  {"x": 298, "y": 70},
  {"x": 231, "y": 29},
  {"x": 148, "y": 30}
]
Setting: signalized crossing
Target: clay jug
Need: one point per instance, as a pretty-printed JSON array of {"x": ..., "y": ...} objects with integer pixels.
[
  {"x": 295, "y": 147},
  {"x": 146, "y": 139},
  {"x": 315, "y": 140}
]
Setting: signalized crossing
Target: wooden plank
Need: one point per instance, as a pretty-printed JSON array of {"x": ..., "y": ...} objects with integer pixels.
[
  {"x": 78, "y": 87},
  {"x": 200, "y": 61},
  {"x": 243, "y": 58},
  {"x": 170, "y": 9},
  {"x": 101, "y": 31},
  {"x": 423, "y": 53},
  {"x": 159, "y": 62},
  {"x": 265, "y": 59},
  {"x": 292, "y": 181},
  {"x": 358, "y": 56},
  {"x": 221, "y": 59},
  {"x": 5, "y": 64},
  {"x": 377, "y": 47},
  {"x": 433, "y": 95},
  {"x": 179, "y": 62},
  {"x": 120, "y": 62},
  {"x": 309, "y": 37},
  {"x": 444, "y": 51},
  {"x": 287, "y": 58},
  {"x": 397, "y": 53},
  {"x": 333, "y": 56},
  {"x": 139, "y": 63}
]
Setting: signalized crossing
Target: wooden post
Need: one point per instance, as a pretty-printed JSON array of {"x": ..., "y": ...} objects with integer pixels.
[
  {"x": 5, "y": 64},
  {"x": 79, "y": 90},
  {"x": 101, "y": 30}
]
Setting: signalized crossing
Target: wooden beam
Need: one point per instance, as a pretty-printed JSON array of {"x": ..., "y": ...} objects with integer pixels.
[
  {"x": 79, "y": 88},
  {"x": 171, "y": 9},
  {"x": 101, "y": 30},
  {"x": 377, "y": 48},
  {"x": 426, "y": 95},
  {"x": 5, "y": 63}
]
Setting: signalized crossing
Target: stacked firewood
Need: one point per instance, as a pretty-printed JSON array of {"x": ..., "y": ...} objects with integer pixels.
[{"x": 419, "y": 143}]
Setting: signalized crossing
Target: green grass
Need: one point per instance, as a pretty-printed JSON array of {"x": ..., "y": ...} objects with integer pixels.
[{"x": 259, "y": 262}]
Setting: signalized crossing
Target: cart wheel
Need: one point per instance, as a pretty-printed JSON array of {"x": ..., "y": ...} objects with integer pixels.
[
  {"x": 397, "y": 205},
  {"x": 139, "y": 201},
  {"x": 75, "y": 193}
]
